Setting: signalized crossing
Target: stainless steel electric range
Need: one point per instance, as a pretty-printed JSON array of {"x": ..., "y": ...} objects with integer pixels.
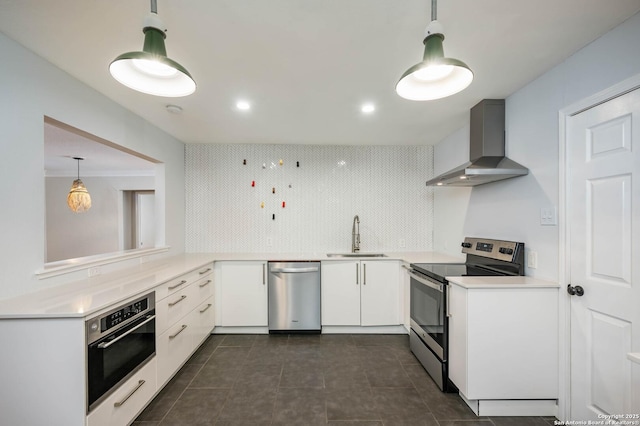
[{"x": 429, "y": 337}]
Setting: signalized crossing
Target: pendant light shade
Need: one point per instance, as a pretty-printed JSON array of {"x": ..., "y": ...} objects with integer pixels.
[
  {"x": 151, "y": 71},
  {"x": 78, "y": 200},
  {"x": 436, "y": 76}
]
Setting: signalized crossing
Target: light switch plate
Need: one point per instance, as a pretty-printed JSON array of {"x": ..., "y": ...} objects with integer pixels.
[
  {"x": 548, "y": 216},
  {"x": 532, "y": 259}
]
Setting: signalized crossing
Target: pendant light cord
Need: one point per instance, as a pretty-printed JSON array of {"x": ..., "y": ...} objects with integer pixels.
[
  {"x": 434, "y": 10},
  {"x": 78, "y": 160}
]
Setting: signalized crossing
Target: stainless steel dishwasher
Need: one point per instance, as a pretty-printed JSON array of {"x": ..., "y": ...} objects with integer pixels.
[{"x": 294, "y": 297}]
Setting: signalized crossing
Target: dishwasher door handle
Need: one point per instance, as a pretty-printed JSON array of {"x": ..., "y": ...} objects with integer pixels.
[{"x": 294, "y": 270}]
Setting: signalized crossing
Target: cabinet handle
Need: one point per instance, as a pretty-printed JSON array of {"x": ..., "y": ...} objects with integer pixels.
[
  {"x": 205, "y": 271},
  {"x": 173, "y": 336},
  {"x": 130, "y": 394},
  {"x": 364, "y": 274},
  {"x": 263, "y": 277},
  {"x": 447, "y": 294},
  {"x": 177, "y": 301},
  {"x": 205, "y": 309},
  {"x": 178, "y": 285},
  {"x": 357, "y": 272},
  {"x": 634, "y": 357},
  {"x": 206, "y": 283}
]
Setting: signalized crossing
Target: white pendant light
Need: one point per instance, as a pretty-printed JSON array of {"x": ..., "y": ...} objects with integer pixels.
[
  {"x": 78, "y": 199},
  {"x": 151, "y": 71},
  {"x": 436, "y": 76}
]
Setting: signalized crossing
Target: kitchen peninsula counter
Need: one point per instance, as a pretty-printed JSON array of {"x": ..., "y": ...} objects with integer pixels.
[{"x": 85, "y": 297}]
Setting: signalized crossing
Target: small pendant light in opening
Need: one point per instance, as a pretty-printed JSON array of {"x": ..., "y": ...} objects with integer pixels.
[
  {"x": 436, "y": 76},
  {"x": 150, "y": 71},
  {"x": 78, "y": 200}
]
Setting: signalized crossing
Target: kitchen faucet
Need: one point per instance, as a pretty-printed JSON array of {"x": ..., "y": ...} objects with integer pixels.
[{"x": 355, "y": 235}]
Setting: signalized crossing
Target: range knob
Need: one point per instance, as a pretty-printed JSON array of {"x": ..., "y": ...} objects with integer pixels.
[
  {"x": 466, "y": 245},
  {"x": 505, "y": 250}
]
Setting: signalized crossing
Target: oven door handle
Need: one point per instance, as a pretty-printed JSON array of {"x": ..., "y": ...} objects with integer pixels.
[
  {"x": 425, "y": 281},
  {"x": 105, "y": 345}
]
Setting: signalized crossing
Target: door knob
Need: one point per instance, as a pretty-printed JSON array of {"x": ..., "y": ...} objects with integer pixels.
[{"x": 575, "y": 291}]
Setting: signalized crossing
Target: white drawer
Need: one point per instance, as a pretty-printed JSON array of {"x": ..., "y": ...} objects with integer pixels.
[
  {"x": 205, "y": 320},
  {"x": 174, "y": 346},
  {"x": 204, "y": 287},
  {"x": 174, "y": 307},
  {"x": 182, "y": 281},
  {"x": 122, "y": 406}
]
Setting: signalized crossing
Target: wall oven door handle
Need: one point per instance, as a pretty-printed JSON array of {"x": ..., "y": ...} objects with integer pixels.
[
  {"x": 105, "y": 345},
  {"x": 426, "y": 282}
]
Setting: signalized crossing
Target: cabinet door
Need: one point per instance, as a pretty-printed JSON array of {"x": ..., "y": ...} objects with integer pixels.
[
  {"x": 243, "y": 294},
  {"x": 380, "y": 292},
  {"x": 340, "y": 292},
  {"x": 458, "y": 337}
]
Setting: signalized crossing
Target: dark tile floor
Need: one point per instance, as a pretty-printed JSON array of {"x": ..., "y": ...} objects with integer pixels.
[{"x": 308, "y": 380}]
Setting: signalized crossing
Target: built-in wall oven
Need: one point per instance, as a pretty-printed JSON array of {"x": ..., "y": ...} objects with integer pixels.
[
  {"x": 429, "y": 336},
  {"x": 119, "y": 343}
]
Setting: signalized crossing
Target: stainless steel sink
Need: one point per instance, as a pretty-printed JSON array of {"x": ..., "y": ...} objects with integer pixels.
[{"x": 356, "y": 255}]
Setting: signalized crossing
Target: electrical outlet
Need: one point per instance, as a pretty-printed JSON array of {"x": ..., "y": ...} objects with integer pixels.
[
  {"x": 94, "y": 271},
  {"x": 402, "y": 243},
  {"x": 532, "y": 259},
  {"x": 269, "y": 242},
  {"x": 548, "y": 216}
]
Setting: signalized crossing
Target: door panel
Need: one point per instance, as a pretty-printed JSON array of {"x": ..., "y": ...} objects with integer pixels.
[{"x": 603, "y": 220}]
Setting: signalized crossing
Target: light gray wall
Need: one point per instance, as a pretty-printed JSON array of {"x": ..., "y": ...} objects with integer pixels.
[
  {"x": 97, "y": 231},
  {"x": 32, "y": 88},
  {"x": 383, "y": 185},
  {"x": 511, "y": 209}
]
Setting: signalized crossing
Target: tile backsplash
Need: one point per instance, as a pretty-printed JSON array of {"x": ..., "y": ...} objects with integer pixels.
[{"x": 323, "y": 187}]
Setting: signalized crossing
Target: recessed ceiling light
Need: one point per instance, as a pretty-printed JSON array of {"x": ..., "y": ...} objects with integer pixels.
[
  {"x": 174, "y": 109},
  {"x": 243, "y": 105},
  {"x": 368, "y": 108}
]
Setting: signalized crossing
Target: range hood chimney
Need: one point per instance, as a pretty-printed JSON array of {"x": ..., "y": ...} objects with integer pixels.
[{"x": 487, "y": 162}]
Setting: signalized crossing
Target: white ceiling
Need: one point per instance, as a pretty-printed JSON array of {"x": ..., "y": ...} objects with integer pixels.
[{"x": 308, "y": 65}]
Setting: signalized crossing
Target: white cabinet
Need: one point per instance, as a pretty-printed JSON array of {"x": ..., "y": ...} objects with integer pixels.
[
  {"x": 243, "y": 294},
  {"x": 184, "y": 318},
  {"x": 121, "y": 407},
  {"x": 340, "y": 292},
  {"x": 356, "y": 293},
  {"x": 503, "y": 346}
]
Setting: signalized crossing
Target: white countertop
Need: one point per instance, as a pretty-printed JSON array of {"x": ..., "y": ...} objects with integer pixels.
[
  {"x": 501, "y": 282},
  {"x": 85, "y": 297},
  {"x": 408, "y": 257}
]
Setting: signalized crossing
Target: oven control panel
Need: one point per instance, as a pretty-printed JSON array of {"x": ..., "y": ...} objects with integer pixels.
[
  {"x": 495, "y": 249},
  {"x": 104, "y": 324},
  {"x": 113, "y": 319}
]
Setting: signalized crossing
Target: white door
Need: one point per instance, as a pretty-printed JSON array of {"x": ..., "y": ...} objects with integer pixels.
[
  {"x": 379, "y": 293},
  {"x": 604, "y": 225},
  {"x": 145, "y": 219},
  {"x": 340, "y": 292},
  {"x": 243, "y": 301}
]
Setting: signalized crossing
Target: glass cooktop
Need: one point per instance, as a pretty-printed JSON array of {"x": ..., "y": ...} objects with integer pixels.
[{"x": 438, "y": 271}]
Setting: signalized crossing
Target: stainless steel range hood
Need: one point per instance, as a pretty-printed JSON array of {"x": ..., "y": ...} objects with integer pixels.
[{"x": 486, "y": 150}]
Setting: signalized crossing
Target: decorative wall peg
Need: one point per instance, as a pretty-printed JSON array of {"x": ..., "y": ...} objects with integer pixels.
[
  {"x": 262, "y": 205},
  {"x": 283, "y": 204},
  {"x": 264, "y": 165},
  {"x": 253, "y": 183},
  {"x": 244, "y": 162},
  {"x": 281, "y": 162},
  {"x": 289, "y": 185},
  {"x": 273, "y": 216},
  {"x": 273, "y": 190},
  {"x": 297, "y": 164}
]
